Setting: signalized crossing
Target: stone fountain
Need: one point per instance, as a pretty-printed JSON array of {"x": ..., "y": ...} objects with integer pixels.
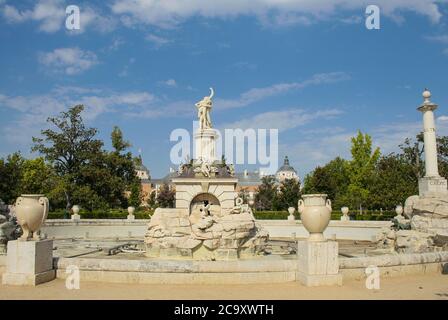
[{"x": 208, "y": 221}]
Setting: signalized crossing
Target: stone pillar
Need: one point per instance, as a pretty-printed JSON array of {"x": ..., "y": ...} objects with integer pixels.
[
  {"x": 431, "y": 184},
  {"x": 318, "y": 263},
  {"x": 205, "y": 144},
  {"x": 427, "y": 108},
  {"x": 29, "y": 263}
]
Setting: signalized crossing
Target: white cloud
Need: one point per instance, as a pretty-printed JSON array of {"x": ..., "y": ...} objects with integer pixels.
[
  {"x": 282, "y": 120},
  {"x": 169, "y": 83},
  {"x": 50, "y": 14},
  {"x": 32, "y": 111},
  {"x": 439, "y": 38},
  {"x": 257, "y": 94},
  {"x": 167, "y": 14},
  {"x": 157, "y": 41},
  {"x": 442, "y": 118},
  {"x": 93, "y": 20},
  {"x": 245, "y": 65},
  {"x": 70, "y": 61},
  {"x": 12, "y": 15}
]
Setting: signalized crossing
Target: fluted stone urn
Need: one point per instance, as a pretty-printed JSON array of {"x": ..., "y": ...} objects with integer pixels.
[
  {"x": 31, "y": 212},
  {"x": 291, "y": 211},
  {"x": 131, "y": 211},
  {"x": 315, "y": 213},
  {"x": 345, "y": 216},
  {"x": 75, "y": 210}
]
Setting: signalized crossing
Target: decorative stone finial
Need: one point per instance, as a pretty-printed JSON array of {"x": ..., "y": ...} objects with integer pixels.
[{"x": 426, "y": 95}]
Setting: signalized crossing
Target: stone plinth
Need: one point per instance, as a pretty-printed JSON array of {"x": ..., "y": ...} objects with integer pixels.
[
  {"x": 29, "y": 263},
  {"x": 318, "y": 263},
  {"x": 432, "y": 187},
  {"x": 205, "y": 144},
  {"x": 75, "y": 217},
  {"x": 131, "y": 217}
]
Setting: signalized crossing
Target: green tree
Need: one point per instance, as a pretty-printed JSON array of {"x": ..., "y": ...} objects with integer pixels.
[
  {"x": 394, "y": 181},
  {"x": 37, "y": 176},
  {"x": 166, "y": 197},
  {"x": 11, "y": 171},
  {"x": 413, "y": 151},
  {"x": 361, "y": 170},
  {"x": 331, "y": 179},
  {"x": 72, "y": 150},
  {"x": 267, "y": 193},
  {"x": 288, "y": 195},
  {"x": 152, "y": 201},
  {"x": 135, "y": 198}
]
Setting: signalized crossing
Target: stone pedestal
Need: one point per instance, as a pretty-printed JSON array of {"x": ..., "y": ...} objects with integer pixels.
[
  {"x": 291, "y": 217},
  {"x": 131, "y": 217},
  {"x": 432, "y": 187},
  {"x": 318, "y": 263},
  {"x": 29, "y": 263},
  {"x": 205, "y": 145},
  {"x": 75, "y": 217}
]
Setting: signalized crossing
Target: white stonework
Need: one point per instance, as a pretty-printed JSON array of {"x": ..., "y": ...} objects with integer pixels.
[
  {"x": 29, "y": 263},
  {"x": 205, "y": 145},
  {"x": 206, "y": 223},
  {"x": 428, "y": 211},
  {"x": 318, "y": 263},
  {"x": 222, "y": 188},
  {"x": 432, "y": 187}
]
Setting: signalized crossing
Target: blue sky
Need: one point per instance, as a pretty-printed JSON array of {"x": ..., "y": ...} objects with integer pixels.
[{"x": 309, "y": 68}]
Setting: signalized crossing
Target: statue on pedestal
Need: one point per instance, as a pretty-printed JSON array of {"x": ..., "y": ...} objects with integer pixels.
[{"x": 204, "y": 106}]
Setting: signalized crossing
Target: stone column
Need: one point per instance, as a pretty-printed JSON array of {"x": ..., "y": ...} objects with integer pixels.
[
  {"x": 427, "y": 108},
  {"x": 432, "y": 184}
]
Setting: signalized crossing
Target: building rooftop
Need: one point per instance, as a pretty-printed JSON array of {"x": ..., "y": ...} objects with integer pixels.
[{"x": 286, "y": 167}]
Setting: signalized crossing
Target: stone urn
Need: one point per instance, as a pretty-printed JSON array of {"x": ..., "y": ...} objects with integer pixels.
[
  {"x": 315, "y": 213},
  {"x": 75, "y": 209},
  {"x": 345, "y": 216},
  {"x": 31, "y": 212},
  {"x": 291, "y": 211},
  {"x": 131, "y": 211},
  {"x": 399, "y": 210}
]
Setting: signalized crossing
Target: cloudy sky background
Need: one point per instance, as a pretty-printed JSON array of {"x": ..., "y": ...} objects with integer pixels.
[{"x": 307, "y": 67}]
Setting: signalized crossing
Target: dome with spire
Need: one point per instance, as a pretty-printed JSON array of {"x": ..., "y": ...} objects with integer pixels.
[{"x": 286, "y": 171}]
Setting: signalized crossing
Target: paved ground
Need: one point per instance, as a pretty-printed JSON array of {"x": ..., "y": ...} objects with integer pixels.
[{"x": 416, "y": 287}]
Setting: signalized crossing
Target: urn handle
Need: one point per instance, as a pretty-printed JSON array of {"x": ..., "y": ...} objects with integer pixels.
[
  {"x": 301, "y": 206},
  {"x": 328, "y": 204},
  {"x": 44, "y": 201},
  {"x": 18, "y": 201}
]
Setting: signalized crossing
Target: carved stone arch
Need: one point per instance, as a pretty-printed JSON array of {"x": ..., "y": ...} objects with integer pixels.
[{"x": 197, "y": 202}]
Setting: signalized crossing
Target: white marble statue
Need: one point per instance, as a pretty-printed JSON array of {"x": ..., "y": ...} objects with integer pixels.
[{"x": 204, "y": 106}]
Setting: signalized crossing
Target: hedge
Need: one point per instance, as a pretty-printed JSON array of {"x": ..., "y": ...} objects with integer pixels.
[{"x": 102, "y": 214}]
